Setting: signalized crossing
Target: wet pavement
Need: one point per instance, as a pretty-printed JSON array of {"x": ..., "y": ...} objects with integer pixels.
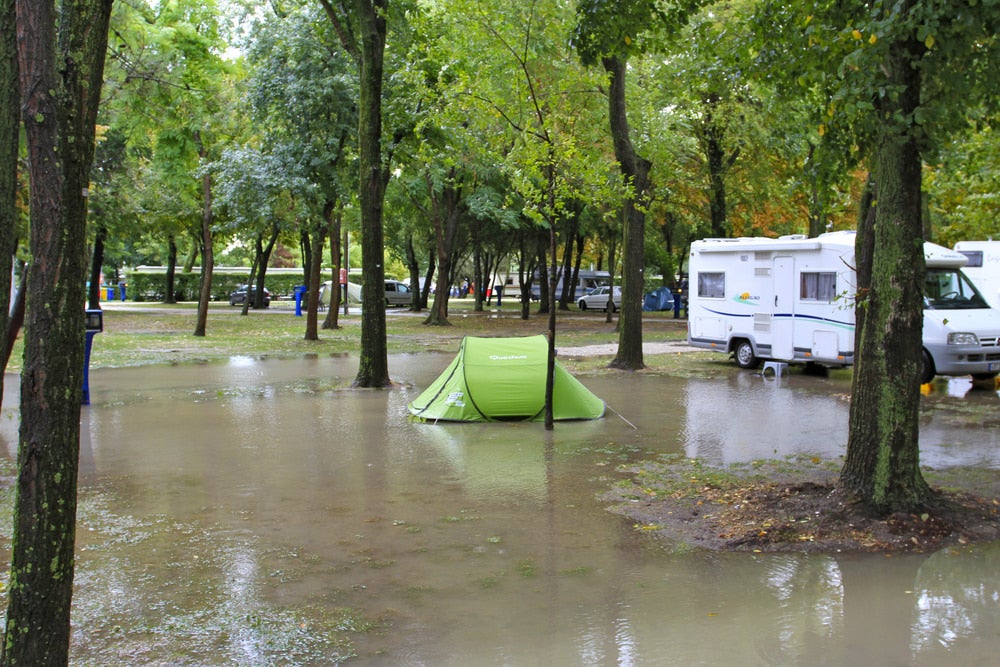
[{"x": 258, "y": 513}]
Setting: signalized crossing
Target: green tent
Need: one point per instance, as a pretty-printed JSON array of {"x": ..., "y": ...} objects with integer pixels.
[{"x": 504, "y": 379}]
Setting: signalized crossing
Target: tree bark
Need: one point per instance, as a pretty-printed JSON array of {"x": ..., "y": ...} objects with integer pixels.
[
  {"x": 60, "y": 82},
  {"x": 444, "y": 214},
  {"x": 168, "y": 295},
  {"x": 263, "y": 256},
  {"x": 715, "y": 154},
  {"x": 96, "y": 261},
  {"x": 635, "y": 171},
  {"x": 315, "y": 279},
  {"x": 333, "y": 232},
  {"x": 207, "y": 252},
  {"x": 882, "y": 467},
  {"x": 10, "y": 130},
  {"x": 373, "y": 367}
]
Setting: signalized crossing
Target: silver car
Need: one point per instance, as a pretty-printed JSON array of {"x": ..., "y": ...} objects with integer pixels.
[
  {"x": 598, "y": 299},
  {"x": 397, "y": 293}
]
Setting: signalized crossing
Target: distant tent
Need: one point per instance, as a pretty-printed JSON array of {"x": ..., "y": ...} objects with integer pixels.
[
  {"x": 503, "y": 379},
  {"x": 326, "y": 293},
  {"x": 659, "y": 299}
]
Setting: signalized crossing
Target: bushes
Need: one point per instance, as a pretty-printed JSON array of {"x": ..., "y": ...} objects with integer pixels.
[{"x": 152, "y": 285}]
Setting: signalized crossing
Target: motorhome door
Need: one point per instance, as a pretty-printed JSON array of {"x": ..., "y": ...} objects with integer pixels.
[{"x": 783, "y": 321}]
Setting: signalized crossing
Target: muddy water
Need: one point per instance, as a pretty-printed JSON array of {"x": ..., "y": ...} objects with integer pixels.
[{"x": 254, "y": 513}]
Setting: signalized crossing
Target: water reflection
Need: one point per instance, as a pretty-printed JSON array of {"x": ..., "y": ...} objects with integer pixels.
[
  {"x": 954, "y": 601},
  {"x": 744, "y": 417},
  {"x": 257, "y": 513}
]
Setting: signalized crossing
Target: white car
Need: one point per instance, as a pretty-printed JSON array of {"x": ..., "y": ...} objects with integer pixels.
[{"x": 598, "y": 299}]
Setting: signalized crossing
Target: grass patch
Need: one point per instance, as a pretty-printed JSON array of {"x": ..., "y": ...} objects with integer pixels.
[{"x": 144, "y": 334}]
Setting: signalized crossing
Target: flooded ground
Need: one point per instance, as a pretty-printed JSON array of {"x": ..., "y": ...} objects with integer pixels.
[{"x": 253, "y": 513}]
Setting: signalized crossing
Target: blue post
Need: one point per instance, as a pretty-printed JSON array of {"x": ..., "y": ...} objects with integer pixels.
[
  {"x": 677, "y": 304},
  {"x": 94, "y": 324}
]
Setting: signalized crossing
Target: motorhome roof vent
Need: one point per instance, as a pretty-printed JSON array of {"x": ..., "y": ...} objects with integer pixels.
[{"x": 793, "y": 237}]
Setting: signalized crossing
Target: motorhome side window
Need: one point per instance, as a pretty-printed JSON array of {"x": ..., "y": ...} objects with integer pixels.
[
  {"x": 818, "y": 286},
  {"x": 712, "y": 285}
]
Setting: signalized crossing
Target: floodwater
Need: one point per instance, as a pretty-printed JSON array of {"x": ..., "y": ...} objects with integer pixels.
[{"x": 256, "y": 513}]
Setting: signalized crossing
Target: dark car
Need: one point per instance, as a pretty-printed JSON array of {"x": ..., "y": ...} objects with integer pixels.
[{"x": 239, "y": 296}]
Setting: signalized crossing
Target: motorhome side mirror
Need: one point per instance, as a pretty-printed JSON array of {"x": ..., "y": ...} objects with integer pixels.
[{"x": 94, "y": 320}]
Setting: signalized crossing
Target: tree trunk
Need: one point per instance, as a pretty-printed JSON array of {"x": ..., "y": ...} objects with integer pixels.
[
  {"x": 207, "y": 252},
  {"x": 251, "y": 282},
  {"x": 169, "y": 295},
  {"x": 263, "y": 257},
  {"x": 716, "y": 157},
  {"x": 429, "y": 281},
  {"x": 313, "y": 283},
  {"x": 373, "y": 368},
  {"x": 570, "y": 276},
  {"x": 882, "y": 467},
  {"x": 635, "y": 171},
  {"x": 14, "y": 323},
  {"x": 543, "y": 278},
  {"x": 526, "y": 261},
  {"x": 96, "y": 260},
  {"x": 413, "y": 269},
  {"x": 550, "y": 360},
  {"x": 60, "y": 83},
  {"x": 333, "y": 232},
  {"x": 10, "y": 130},
  {"x": 444, "y": 215}
]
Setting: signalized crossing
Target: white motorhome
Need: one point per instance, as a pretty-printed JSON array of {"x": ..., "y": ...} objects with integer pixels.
[
  {"x": 983, "y": 267},
  {"x": 792, "y": 299},
  {"x": 586, "y": 281}
]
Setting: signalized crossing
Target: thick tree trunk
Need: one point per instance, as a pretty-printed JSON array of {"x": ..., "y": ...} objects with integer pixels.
[
  {"x": 373, "y": 368},
  {"x": 635, "y": 171},
  {"x": 882, "y": 466},
  {"x": 60, "y": 90},
  {"x": 10, "y": 129}
]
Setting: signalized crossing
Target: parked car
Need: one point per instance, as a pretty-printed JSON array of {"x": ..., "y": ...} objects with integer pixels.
[
  {"x": 239, "y": 296},
  {"x": 397, "y": 293},
  {"x": 598, "y": 299}
]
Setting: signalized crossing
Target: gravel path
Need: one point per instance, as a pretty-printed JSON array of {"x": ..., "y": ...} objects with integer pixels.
[{"x": 612, "y": 348}]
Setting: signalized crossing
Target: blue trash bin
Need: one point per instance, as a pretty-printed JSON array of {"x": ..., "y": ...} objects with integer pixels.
[{"x": 300, "y": 292}]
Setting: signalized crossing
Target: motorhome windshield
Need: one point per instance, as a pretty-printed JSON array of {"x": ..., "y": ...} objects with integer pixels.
[{"x": 950, "y": 289}]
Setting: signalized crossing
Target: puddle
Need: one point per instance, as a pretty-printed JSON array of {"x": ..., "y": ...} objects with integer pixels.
[{"x": 257, "y": 513}]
